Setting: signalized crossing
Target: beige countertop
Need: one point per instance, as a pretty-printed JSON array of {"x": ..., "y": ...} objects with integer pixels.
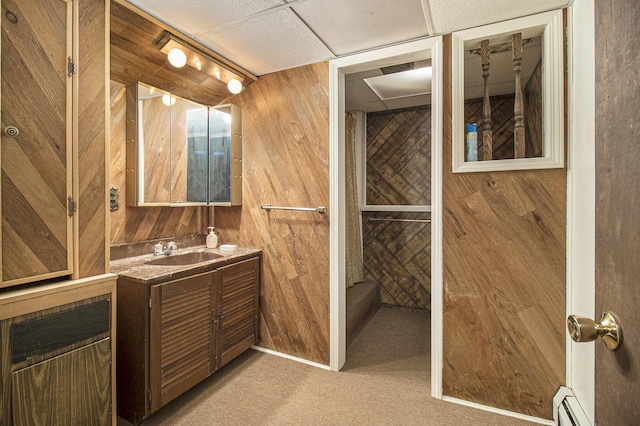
[{"x": 136, "y": 269}]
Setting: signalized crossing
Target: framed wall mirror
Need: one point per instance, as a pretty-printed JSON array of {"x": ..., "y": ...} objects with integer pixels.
[
  {"x": 508, "y": 95},
  {"x": 181, "y": 153}
]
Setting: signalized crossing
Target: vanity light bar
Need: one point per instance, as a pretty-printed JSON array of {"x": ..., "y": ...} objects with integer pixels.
[{"x": 198, "y": 59}]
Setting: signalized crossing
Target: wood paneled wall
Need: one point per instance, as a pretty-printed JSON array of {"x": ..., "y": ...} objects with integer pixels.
[
  {"x": 398, "y": 254},
  {"x": 285, "y": 120},
  {"x": 504, "y": 282},
  {"x": 399, "y": 157},
  {"x": 133, "y": 224},
  {"x": 92, "y": 137}
]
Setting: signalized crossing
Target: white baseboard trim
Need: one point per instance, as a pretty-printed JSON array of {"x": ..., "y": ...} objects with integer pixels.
[
  {"x": 499, "y": 411},
  {"x": 291, "y": 357}
]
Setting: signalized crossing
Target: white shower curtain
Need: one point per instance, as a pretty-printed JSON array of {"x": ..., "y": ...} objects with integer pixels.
[{"x": 354, "y": 270}]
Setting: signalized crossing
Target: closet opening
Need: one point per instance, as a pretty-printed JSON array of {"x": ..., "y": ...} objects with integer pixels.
[{"x": 388, "y": 206}]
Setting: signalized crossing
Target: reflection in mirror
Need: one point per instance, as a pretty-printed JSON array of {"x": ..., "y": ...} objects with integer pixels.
[
  {"x": 491, "y": 71},
  {"x": 188, "y": 152},
  {"x": 220, "y": 153},
  {"x": 154, "y": 129},
  {"x": 508, "y": 95},
  {"x": 180, "y": 152}
]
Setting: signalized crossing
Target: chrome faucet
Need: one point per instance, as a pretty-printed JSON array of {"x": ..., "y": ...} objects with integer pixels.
[{"x": 160, "y": 249}]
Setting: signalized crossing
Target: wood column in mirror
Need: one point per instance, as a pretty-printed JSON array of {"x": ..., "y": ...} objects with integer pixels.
[{"x": 520, "y": 102}]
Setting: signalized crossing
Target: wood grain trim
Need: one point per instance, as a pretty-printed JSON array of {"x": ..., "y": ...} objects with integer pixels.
[
  {"x": 185, "y": 37},
  {"x": 73, "y": 177},
  {"x": 107, "y": 144},
  {"x": 24, "y": 301}
]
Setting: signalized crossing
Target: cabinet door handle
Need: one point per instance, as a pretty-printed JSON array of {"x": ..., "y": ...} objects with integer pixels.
[{"x": 11, "y": 131}]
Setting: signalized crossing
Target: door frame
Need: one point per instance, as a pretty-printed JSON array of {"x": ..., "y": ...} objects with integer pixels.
[
  {"x": 580, "y": 300},
  {"x": 411, "y": 51}
]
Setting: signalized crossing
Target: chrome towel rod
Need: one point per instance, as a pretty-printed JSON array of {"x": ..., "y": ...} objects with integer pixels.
[
  {"x": 319, "y": 209},
  {"x": 389, "y": 219}
]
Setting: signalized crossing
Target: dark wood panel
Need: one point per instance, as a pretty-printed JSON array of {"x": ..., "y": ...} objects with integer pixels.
[
  {"x": 81, "y": 383},
  {"x": 92, "y": 139},
  {"x": 133, "y": 224},
  {"x": 239, "y": 300},
  {"x": 504, "y": 282},
  {"x": 398, "y": 256},
  {"x": 180, "y": 310},
  {"x": 285, "y": 119},
  {"x": 40, "y": 336},
  {"x": 617, "y": 267},
  {"x": 399, "y": 157}
]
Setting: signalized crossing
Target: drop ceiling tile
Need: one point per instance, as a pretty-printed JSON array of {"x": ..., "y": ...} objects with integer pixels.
[
  {"x": 348, "y": 26},
  {"x": 194, "y": 16},
  {"x": 268, "y": 43},
  {"x": 411, "y": 101},
  {"x": 448, "y": 16}
]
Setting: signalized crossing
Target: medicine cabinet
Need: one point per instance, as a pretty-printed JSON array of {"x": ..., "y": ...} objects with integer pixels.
[
  {"x": 181, "y": 153},
  {"x": 508, "y": 80}
]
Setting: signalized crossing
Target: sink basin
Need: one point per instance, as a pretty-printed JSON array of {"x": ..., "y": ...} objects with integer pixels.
[{"x": 184, "y": 259}]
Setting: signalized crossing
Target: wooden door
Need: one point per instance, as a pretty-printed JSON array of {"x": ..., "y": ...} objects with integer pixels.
[
  {"x": 36, "y": 172},
  {"x": 73, "y": 388},
  {"x": 617, "y": 139},
  {"x": 181, "y": 337},
  {"x": 238, "y": 301}
]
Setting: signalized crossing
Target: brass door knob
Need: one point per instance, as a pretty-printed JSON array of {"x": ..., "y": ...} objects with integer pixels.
[{"x": 583, "y": 329}]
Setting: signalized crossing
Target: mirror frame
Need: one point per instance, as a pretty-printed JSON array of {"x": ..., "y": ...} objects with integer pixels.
[
  {"x": 551, "y": 24},
  {"x": 134, "y": 172}
]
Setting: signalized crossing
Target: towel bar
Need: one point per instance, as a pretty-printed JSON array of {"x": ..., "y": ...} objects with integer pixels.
[{"x": 319, "y": 209}]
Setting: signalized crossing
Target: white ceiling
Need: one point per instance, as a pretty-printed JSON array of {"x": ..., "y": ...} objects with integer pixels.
[{"x": 265, "y": 36}]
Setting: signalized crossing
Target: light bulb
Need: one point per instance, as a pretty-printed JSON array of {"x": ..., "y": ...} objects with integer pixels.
[
  {"x": 235, "y": 86},
  {"x": 168, "y": 100},
  {"x": 177, "y": 57}
]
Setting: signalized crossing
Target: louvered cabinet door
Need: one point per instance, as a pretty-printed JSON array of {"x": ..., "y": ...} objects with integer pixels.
[
  {"x": 36, "y": 140},
  {"x": 181, "y": 337},
  {"x": 238, "y": 310}
]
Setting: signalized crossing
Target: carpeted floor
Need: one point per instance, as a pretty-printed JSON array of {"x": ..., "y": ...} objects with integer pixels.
[{"x": 384, "y": 382}]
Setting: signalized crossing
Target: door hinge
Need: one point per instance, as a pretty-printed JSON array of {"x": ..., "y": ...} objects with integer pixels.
[
  {"x": 150, "y": 302},
  {"x": 71, "y": 67},
  {"x": 149, "y": 395},
  {"x": 71, "y": 206},
  {"x": 110, "y": 408}
]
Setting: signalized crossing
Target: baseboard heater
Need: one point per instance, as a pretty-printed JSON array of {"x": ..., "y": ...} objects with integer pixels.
[{"x": 567, "y": 410}]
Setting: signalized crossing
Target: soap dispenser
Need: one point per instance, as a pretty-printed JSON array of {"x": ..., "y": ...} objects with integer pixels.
[{"x": 212, "y": 238}]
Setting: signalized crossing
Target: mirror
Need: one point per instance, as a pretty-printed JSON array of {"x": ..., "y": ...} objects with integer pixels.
[
  {"x": 508, "y": 95},
  {"x": 181, "y": 153}
]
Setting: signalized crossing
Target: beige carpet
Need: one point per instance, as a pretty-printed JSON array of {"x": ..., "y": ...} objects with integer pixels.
[{"x": 384, "y": 382}]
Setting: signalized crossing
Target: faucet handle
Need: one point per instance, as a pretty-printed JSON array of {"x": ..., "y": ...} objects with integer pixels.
[
  {"x": 172, "y": 246},
  {"x": 157, "y": 248}
]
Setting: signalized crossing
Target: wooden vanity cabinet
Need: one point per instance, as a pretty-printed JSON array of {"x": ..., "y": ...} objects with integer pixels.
[{"x": 174, "y": 334}]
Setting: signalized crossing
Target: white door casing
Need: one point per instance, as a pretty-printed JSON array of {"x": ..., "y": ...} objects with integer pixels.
[
  {"x": 407, "y": 52},
  {"x": 581, "y": 197}
]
